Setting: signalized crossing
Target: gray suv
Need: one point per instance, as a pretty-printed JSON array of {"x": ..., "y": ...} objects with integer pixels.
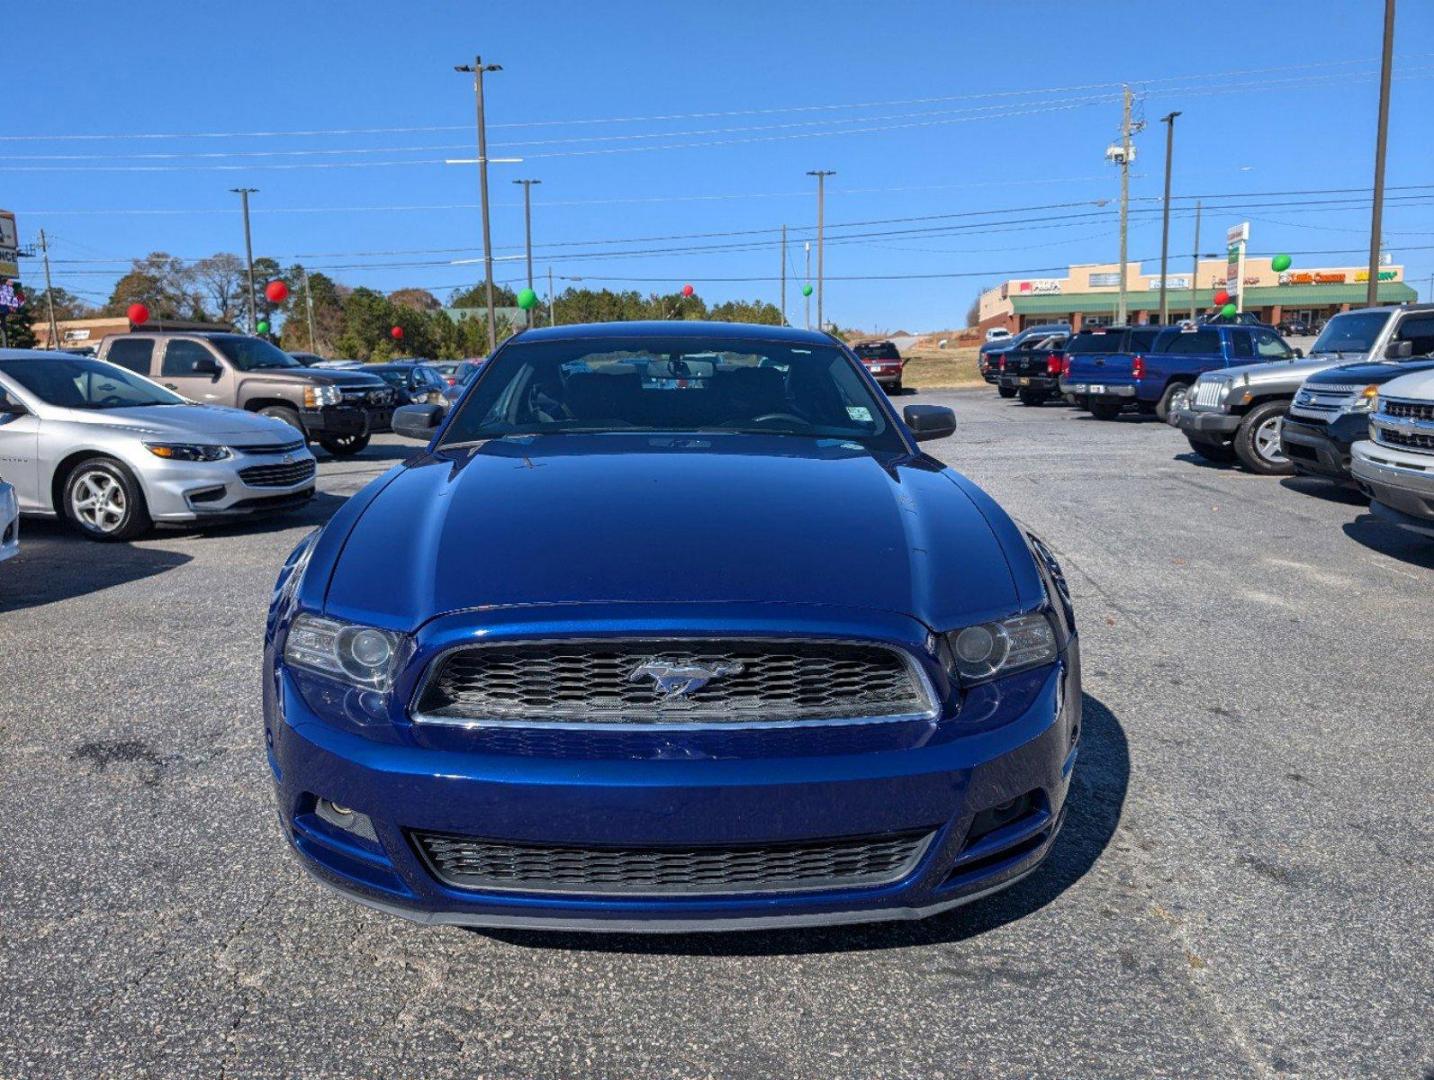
[{"x": 339, "y": 410}]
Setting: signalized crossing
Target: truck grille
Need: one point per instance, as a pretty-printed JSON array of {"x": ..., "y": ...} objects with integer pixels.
[
  {"x": 1407, "y": 440},
  {"x": 1407, "y": 410},
  {"x": 278, "y": 475},
  {"x": 1208, "y": 392},
  {"x": 468, "y": 863},
  {"x": 702, "y": 682},
  {"x": 365, "y": 396}
]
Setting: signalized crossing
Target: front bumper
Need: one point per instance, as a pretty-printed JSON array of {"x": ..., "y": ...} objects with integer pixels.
[
  {"x": 187, "y": 491},
  {"x": 1206, "y": 424},
  {"x": 1323, "y": 449},
  {"x": 1397, "y": 480},
  {"x": 347, "y": 420},
  {"x": 674, "y": 789}
]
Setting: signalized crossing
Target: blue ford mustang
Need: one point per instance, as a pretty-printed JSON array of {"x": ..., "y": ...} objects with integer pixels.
[{"x": 672, "y": 626}]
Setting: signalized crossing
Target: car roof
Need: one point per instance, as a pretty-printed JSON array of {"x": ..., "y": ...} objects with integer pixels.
[{"x": 686, "y": 328}]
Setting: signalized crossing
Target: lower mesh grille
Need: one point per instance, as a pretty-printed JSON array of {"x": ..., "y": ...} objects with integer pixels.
[
  {"x": 283, "y": 475},
  {"x": 468, "y": 863}
]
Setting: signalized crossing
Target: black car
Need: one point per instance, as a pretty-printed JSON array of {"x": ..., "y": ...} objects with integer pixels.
[
  {"x": 1033, "y": 369},
  {"x": 416, "y": 383},
  {"x": 988, "y": 357}
]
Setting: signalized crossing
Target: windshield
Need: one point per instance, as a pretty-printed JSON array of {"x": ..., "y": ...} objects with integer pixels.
[
  {"x": 251, "y": 354},
  {"x": 78, "y": 382},
  {"x": 691, "y": 385},
  {"x": 392, "y": 377},
  {"x": 1352, "y": 332}
]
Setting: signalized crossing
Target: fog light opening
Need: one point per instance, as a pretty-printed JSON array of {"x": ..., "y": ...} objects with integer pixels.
[{"x": 345, "y": 818}]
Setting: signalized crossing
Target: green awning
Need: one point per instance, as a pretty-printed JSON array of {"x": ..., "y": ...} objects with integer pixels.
[{"x": 1390, "y": 292}]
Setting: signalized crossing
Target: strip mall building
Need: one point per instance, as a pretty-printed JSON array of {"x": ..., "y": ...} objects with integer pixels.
[{"x": 1086, "y": 296}]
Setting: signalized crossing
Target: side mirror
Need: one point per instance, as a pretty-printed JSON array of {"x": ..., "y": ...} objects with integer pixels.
[
  {"x": 1399, "y": 350},
  {"x": 417, "y": 421},
  {"x": 1299, "y": 354},
  {"x": 929, "y": 421},
  {"x": 206, "y": 366}
]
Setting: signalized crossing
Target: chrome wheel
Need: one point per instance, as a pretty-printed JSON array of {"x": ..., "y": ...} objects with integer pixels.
[
  {"x": 1267, "y": 441},
  {"x": 97, "y": 501},
  {"x": 1180, "y": 399}
]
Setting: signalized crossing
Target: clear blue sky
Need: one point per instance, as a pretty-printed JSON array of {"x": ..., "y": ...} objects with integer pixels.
[{"x": 972, "y": 103}]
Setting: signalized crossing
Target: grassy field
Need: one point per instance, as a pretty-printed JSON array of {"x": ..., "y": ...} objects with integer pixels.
[{"x": 930, "y": 368}]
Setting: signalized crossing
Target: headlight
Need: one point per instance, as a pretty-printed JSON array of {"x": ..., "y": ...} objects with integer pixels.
[
  {"x": 316, "y": 397},
  {"x": 993, "y": 649},
  {"x": 187, "y": 451},
  {"x": 363, "y": 656},
  {"x": 1367, "y": 400}
]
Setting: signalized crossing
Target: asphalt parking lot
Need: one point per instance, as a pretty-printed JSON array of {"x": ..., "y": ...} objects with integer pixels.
[{"x": 1243, "y": 887}]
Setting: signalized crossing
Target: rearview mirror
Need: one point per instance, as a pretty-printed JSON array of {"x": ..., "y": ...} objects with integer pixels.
[
  {"x": 929, "y": 421},
  {"x": 1399, "y": 350},
  {"x": 417, "y": 421}
]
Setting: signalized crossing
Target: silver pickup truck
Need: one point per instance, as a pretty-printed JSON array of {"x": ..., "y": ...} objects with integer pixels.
[{"x": 1236, "y": 414}]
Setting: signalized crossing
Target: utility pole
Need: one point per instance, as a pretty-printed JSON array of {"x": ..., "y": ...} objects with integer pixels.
[
  {"x": 309, "y": 308},
  {"x": 244, "y": 193},
  {"x": 1381, "y": 138},
  {"x": 1195, "y": 269},
  {"x": 821, "y": 175},
  {"x": 477, "y": 70},
  {"x": 808, "y": 300},
  {"x": 784, "y": 275},
  {"x": 552, "y": 301},
  {"x": 1124, "y": 155},
  {"x": 49, "y": 293},
  {"x": 528, "y": 231},
  {"x": 1169, "y": 122}
]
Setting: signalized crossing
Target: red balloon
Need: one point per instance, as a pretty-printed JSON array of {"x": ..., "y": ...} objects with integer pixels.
[
  {"x": 1222, "y": 298},
  {"x": 276, "y": 291},
  {"x": 396, "y": 333},
  {"x": 138, "y": 314},
  {"x": 688, "y": 290}
]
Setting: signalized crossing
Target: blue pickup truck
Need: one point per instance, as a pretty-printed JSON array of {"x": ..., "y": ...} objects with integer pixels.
[
  {"x": 1098, "y": 353},
  {"x": 1157, "y": 379}
]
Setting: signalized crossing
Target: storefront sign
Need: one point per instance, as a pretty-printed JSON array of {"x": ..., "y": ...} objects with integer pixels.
[
  {"x": 1320, "y": 277},
  {"x": 76, "y": 335},
  {"x": 9, "y": 246},
  {"x": 1109, "y": 278},
  {"x": 1236, "y": 238},
  {"x": 9, "y": 298},
  {"x": 1384, "y": 275},
  {"x": 1048, "y": 285},
  {"x": 1174, "y": 281}
]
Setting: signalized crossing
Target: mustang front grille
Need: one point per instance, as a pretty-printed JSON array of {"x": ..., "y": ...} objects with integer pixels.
[
  {"x": 676, "y": 682},
  {"x": 277, "y": 475},
  {"x": 468, "y": 863}
]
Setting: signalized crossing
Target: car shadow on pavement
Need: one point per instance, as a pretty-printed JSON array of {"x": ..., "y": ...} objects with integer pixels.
[
  {"x": 372, "y": 452},
  {"x": 312, "y": 514},
  {"x": 1325, "y": 489},
  {"x": 1096, "y": 798},
  {"x": 1202, "y": 462},
  {"x": 1402, "y": 544},
  {"x": 55, "y": 564}
]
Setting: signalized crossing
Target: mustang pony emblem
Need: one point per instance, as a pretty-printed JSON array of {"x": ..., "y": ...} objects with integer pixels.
[{"x": 674, "y": 680}]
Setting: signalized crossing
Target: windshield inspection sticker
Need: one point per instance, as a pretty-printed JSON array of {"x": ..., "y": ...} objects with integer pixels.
[{"x": 860, "y": 413}]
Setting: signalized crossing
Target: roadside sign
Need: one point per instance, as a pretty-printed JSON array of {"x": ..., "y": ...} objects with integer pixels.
[
  {"x": 1236, "y": 237},
  {"x": 10, "y": 300},
  {"x": 9, "y": 246}
]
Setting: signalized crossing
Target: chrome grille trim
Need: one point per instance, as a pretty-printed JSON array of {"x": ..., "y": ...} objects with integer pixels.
[
  {"x": 1209, "y": 392},
  {"x": 922, "y": 704},
  {"x": 1406, "y": 410},
  {"x": 278, "y": 475},
  {"x": 801, "y": 866},
  {"x": 270, "y": 448}
]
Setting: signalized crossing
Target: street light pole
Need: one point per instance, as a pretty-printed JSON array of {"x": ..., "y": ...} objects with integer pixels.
[
  {"x": 244, "y": 193},
  {"x": 552, "y": 301},
  {"x": 49, "y": 293},
  {"x": 1120, "y": 306},
  {"x": 1169, "y": 122},
  {"x": 528, "y": 232},
  {"x": 477, "y": 69},
  {"x": 1195, "y": 269},
  {"x": 1381, "y": 138},
  {"x": 309, "y": 307},
  {"x": 821, "y": 175},
  {"x": 784, "y": 275},
  {"x": 807, "y": 299}
]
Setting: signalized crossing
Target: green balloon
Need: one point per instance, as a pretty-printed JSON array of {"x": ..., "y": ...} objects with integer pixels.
[
  {"x": 1229, "y": 311},
  {"x": 527, "y": 299},
  {"x": 1280, "y": 263},
  {"x": 806, "y": 290},
  {"x": 263, "y": 327}
]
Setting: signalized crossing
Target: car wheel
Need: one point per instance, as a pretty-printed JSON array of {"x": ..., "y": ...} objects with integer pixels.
[
  {"x": 104, "y": 501},
  {"x": 343, "y": 445},
  {"x": 285, "y": 413},
  {"x": 1033, "y": 397},
  {"x": 1006, "y": 391},
  {"x": 1212, "y": 451},
  {"x": 1173, "y": 400},
  {"x": 1257, "y": 440},
  {"x": 1105, "y": 410}
]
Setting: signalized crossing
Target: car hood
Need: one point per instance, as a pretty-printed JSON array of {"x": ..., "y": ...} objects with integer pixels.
[
  {"x": 1373, "y": 372},
  {"x": 565, "y": 519},
  {"x": 202, "y": 423},
  {"x": 1274, "y": 371},
  {"x": 316, "y": 376}
]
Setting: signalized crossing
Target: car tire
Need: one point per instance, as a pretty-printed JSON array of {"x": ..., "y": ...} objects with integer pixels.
[
  {"x": 1033, "y": 397},
  {"x": 1173, "y": 398},
  {"x": 344, "y": 445},
  {"x": 1223, "y": 453},
  {"x": 1257, "y": 440},
  {"x": 103, "y": 501},
  {"x": 1006, "y": 391},
  {"x": 1104, "y": 410},
  {"x": 285, "y": 413}
]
